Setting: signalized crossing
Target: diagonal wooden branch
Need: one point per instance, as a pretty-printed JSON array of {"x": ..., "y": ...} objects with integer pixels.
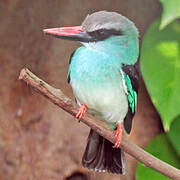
[{"x": 57, "y": 97}]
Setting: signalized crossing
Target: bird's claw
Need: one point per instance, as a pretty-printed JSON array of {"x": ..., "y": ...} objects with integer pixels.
[
  {"x": 118, "y": 135},
  {"x": 82, "y": 111}
]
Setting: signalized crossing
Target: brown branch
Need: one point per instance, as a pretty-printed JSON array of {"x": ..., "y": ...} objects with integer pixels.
[{"x": 57, "y": 97}]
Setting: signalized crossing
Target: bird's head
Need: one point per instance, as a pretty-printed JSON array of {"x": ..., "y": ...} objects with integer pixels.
[
  {"x": 96, "y": 27},
  {"x": 107, "y": 32}
]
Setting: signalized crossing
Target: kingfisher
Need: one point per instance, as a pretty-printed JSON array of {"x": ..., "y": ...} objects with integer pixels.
[{"x": 103, "y": 74}]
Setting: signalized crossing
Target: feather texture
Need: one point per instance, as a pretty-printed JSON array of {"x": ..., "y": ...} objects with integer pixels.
[{"x": 101, "y": 156}]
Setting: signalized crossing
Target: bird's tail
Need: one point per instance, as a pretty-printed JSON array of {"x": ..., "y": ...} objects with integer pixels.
[{"x": 101, "y": 156}]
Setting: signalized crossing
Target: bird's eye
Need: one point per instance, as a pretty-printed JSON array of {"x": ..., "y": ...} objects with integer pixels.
[
  {"x": 101, "y": 31},
  {"x": 101, "y": 34}
]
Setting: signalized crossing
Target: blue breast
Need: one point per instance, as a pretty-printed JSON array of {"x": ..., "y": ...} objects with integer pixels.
[
  {"x": 97, "y": 82},
  {"x": 94, "y": 68}
]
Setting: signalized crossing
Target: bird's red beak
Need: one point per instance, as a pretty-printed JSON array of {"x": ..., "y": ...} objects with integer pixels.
[
  {"x": 64, "y": 31},
  {"x": 74, "y": 33}
]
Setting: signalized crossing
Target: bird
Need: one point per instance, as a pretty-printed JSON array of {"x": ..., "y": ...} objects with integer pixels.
[{"x": 104, "y": 74}]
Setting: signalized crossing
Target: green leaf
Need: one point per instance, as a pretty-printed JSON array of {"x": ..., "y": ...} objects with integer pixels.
[
  {"x": 161, "y": 148},
  {"x": 171, "y": 11},
  {"x": 174, "y": 134},
  {"x": 160, "y": 66}
]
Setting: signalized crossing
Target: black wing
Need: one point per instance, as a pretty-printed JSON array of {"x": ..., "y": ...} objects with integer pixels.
[
  {"x": 133, "y": 72},
  {"x": 68, "y": 75}
]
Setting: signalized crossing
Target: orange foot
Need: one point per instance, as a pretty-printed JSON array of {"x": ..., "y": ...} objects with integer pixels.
[
  {"x": 82, "y": 111},
  {"x": 118, "y": 135}
]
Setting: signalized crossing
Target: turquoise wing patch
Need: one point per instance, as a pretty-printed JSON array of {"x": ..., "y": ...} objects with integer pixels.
[{"x": 132, "y": 95}]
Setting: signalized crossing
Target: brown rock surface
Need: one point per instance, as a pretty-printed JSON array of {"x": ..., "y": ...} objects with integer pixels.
[{"x": 37, "y": 139}]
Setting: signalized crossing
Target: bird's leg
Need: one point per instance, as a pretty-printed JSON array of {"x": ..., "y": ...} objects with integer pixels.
[
  {"x": 118, "y": 135},
  {"x": 82, "y": 111}
]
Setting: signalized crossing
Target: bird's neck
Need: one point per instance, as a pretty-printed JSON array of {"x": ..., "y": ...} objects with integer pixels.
[{"x": 123, "y": 48}]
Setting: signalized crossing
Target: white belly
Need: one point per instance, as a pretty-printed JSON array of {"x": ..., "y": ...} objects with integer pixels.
[{"x": 107, "y": 103}]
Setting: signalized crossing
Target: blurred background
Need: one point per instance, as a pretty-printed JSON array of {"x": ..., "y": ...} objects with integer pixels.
[{"x": 37, "y": 139}]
